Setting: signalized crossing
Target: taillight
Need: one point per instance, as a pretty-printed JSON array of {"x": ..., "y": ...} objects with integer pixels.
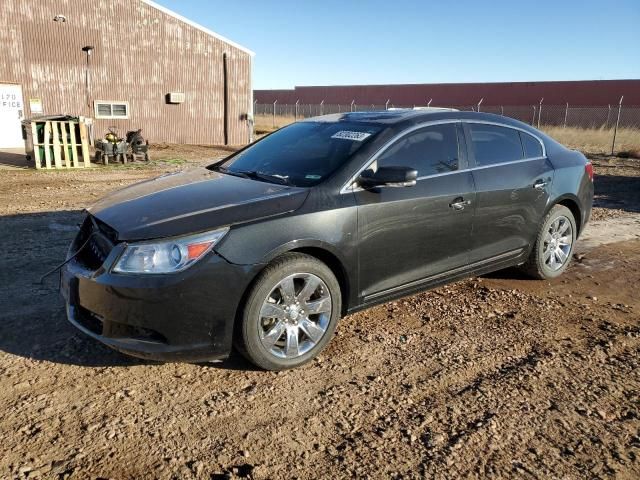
[{"x": 589, "y": 169}]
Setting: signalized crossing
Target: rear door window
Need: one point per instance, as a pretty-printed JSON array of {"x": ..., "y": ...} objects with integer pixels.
[
  {"x": 430, "y": 151},
  {"x": 493, "y": 144},
  {"x": 531, "y": 145}
]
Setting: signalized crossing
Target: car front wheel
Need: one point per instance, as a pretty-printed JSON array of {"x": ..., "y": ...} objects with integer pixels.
[
  {"x": 554, "y": 244},
  {"x": 291, "y": 313}
]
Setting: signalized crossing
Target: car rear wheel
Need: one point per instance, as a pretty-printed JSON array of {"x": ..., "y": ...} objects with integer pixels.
[
  {"x": 554, "y": 244},
  {"x": 290, "y": 313}
]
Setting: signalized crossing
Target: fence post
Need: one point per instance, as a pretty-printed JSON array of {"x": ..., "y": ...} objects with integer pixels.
[
  {"x": 615, "y": 130},
  {"x": 296, "y": 115},
  {"x": 502, "y": 110},
  {"x": 540, "y": 111},
  {"x": 353, "y": 103},
  {"x": 274, "y": 113},
  {"x": 322, "y": 107},
  {"x": 608, "y": 115},
  {"x": 566, "y": 114},
  {"x": 386, "y": 105},
  {"x": 480, "y": 103},
  {"x": 255, "y": 106}
]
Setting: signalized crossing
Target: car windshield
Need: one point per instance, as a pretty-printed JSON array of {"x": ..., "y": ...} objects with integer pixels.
[{"x": 302, "y": 154}]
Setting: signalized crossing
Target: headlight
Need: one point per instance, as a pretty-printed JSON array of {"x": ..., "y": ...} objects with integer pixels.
[{"x": 167, "y": 256}]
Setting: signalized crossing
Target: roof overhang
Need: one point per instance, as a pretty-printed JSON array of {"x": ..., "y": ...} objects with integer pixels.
[{"x": 197, "y": 26}]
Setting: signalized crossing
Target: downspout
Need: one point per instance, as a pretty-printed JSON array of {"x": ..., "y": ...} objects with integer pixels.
[{"x": 225, "y": 80}]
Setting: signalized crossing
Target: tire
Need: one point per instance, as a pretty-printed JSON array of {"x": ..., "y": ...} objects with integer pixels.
[
  {"x": 270, "y": 342},
  {"x": 543, "y": 263}
]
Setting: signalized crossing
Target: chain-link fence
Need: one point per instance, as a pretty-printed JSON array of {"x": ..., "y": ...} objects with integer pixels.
[
  {"x": 595, "y": 129},
  {"x": 536, "y": 115}
]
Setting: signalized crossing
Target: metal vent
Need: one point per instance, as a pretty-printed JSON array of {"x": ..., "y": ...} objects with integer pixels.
[{"x": 176, "y": 97}]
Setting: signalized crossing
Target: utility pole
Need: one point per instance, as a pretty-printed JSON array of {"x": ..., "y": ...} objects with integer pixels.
[
  {"x": 274, "y": 113},
  {"x": 540, "y": 111},
  {"x": 615, "y": 130}
]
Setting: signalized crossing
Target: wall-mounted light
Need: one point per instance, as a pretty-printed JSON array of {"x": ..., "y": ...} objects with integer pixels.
[
  {"x": 60, "y": 18},
  {"x": 88, "y": 49}
]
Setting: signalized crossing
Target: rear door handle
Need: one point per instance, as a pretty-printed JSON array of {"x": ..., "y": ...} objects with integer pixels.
[
  {"x": 459, "y": 203},
  {"x": 539, "y": 185}
]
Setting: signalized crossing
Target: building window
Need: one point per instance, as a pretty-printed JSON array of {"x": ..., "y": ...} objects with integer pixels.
[{"x": 109, "y": 109}]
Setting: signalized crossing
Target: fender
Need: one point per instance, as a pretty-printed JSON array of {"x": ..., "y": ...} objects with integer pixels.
[
  {"x": 343, "y": 269},
  {"x": 304, "y": 243},
  {"x": 580, "y": 220}
]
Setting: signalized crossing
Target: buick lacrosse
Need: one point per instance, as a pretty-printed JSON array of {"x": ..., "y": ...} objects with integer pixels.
[{"x": 268, "y": 248}]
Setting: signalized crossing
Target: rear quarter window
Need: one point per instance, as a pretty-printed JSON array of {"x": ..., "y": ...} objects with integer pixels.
[{"x": 531, "y": 145}]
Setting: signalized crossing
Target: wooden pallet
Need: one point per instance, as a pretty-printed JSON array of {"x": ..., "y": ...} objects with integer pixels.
[{"x": 63, "y": 141}]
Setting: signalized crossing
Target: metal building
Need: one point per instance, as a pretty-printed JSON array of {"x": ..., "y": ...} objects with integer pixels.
[{"x": 124, "y": 63}]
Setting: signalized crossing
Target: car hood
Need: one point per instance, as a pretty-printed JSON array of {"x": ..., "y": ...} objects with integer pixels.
[{"x": 192, "y": 201}]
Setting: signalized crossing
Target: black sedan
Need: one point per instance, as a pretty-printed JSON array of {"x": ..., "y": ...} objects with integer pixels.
[{"x": 268, "y": 248}]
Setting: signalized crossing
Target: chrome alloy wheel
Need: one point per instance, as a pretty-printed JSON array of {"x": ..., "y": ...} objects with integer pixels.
[
  {"x": 557, "y": 243},
  {"x": 295, "y": 315}
]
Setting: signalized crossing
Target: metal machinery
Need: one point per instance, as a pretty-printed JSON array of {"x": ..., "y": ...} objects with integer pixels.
[{"x": 113, "y": 147}]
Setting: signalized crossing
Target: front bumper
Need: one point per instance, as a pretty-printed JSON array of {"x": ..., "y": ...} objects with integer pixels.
[{"x": 186, "y": 316}]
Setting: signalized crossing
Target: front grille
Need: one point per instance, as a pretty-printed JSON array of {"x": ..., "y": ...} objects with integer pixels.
[{"x": 99, "y": 238}]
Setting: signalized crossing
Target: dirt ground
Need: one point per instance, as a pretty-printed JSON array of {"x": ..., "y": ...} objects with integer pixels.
[{"x": 497, "y": 376}]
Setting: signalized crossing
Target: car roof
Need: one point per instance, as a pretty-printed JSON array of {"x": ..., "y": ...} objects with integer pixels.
[
  {"x": 400, "y": 118},
  {"x": 385, "y": 117}
]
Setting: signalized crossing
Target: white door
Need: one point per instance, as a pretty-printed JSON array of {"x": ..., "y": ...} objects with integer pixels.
[{"x": 11, "y": 113}]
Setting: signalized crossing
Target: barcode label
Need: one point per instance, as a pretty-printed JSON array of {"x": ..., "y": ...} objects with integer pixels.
[{"x": 348, "y": 135}]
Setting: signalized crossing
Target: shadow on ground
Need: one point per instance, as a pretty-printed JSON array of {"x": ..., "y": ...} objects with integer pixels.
[
  {"x": 14, "y": 158},
  {"x": 512, "y": 273},
  {"x": 33, "y": 321},
  {"x": 617, "y": 192},
  {"x": 32, "y": 318}
]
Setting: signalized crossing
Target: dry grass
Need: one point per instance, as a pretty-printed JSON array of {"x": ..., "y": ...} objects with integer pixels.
[
  {"x": 597, "y": 140},
  {"x": 587, "y": 140},
  {"x": 266, "y": 124}
]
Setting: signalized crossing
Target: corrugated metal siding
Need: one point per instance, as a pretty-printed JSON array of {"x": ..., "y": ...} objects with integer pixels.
[
  {"x": 140, "y": 55},
  {"x": 588, "y": 92}
]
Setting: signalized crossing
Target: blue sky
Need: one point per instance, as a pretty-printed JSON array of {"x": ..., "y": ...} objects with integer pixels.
[{"x": 332, "y": 42}]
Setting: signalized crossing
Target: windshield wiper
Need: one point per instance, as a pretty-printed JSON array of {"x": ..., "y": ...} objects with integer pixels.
[
  {"x": 221, "y": 169},
  {"x": 267, "y": 177},
  {"x": 254, "y": 174}
]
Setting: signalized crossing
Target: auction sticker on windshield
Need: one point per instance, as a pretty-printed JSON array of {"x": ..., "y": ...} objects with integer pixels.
[{"x": 350, "y": 135}]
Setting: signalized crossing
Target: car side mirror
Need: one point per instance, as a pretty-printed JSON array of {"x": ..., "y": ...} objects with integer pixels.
[{"x": 388, "y": 177}]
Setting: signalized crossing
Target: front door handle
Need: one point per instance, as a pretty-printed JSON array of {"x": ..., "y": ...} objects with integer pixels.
[
  {"x": 539, "y": 185},
  {"x": 459, "y": 203}
]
